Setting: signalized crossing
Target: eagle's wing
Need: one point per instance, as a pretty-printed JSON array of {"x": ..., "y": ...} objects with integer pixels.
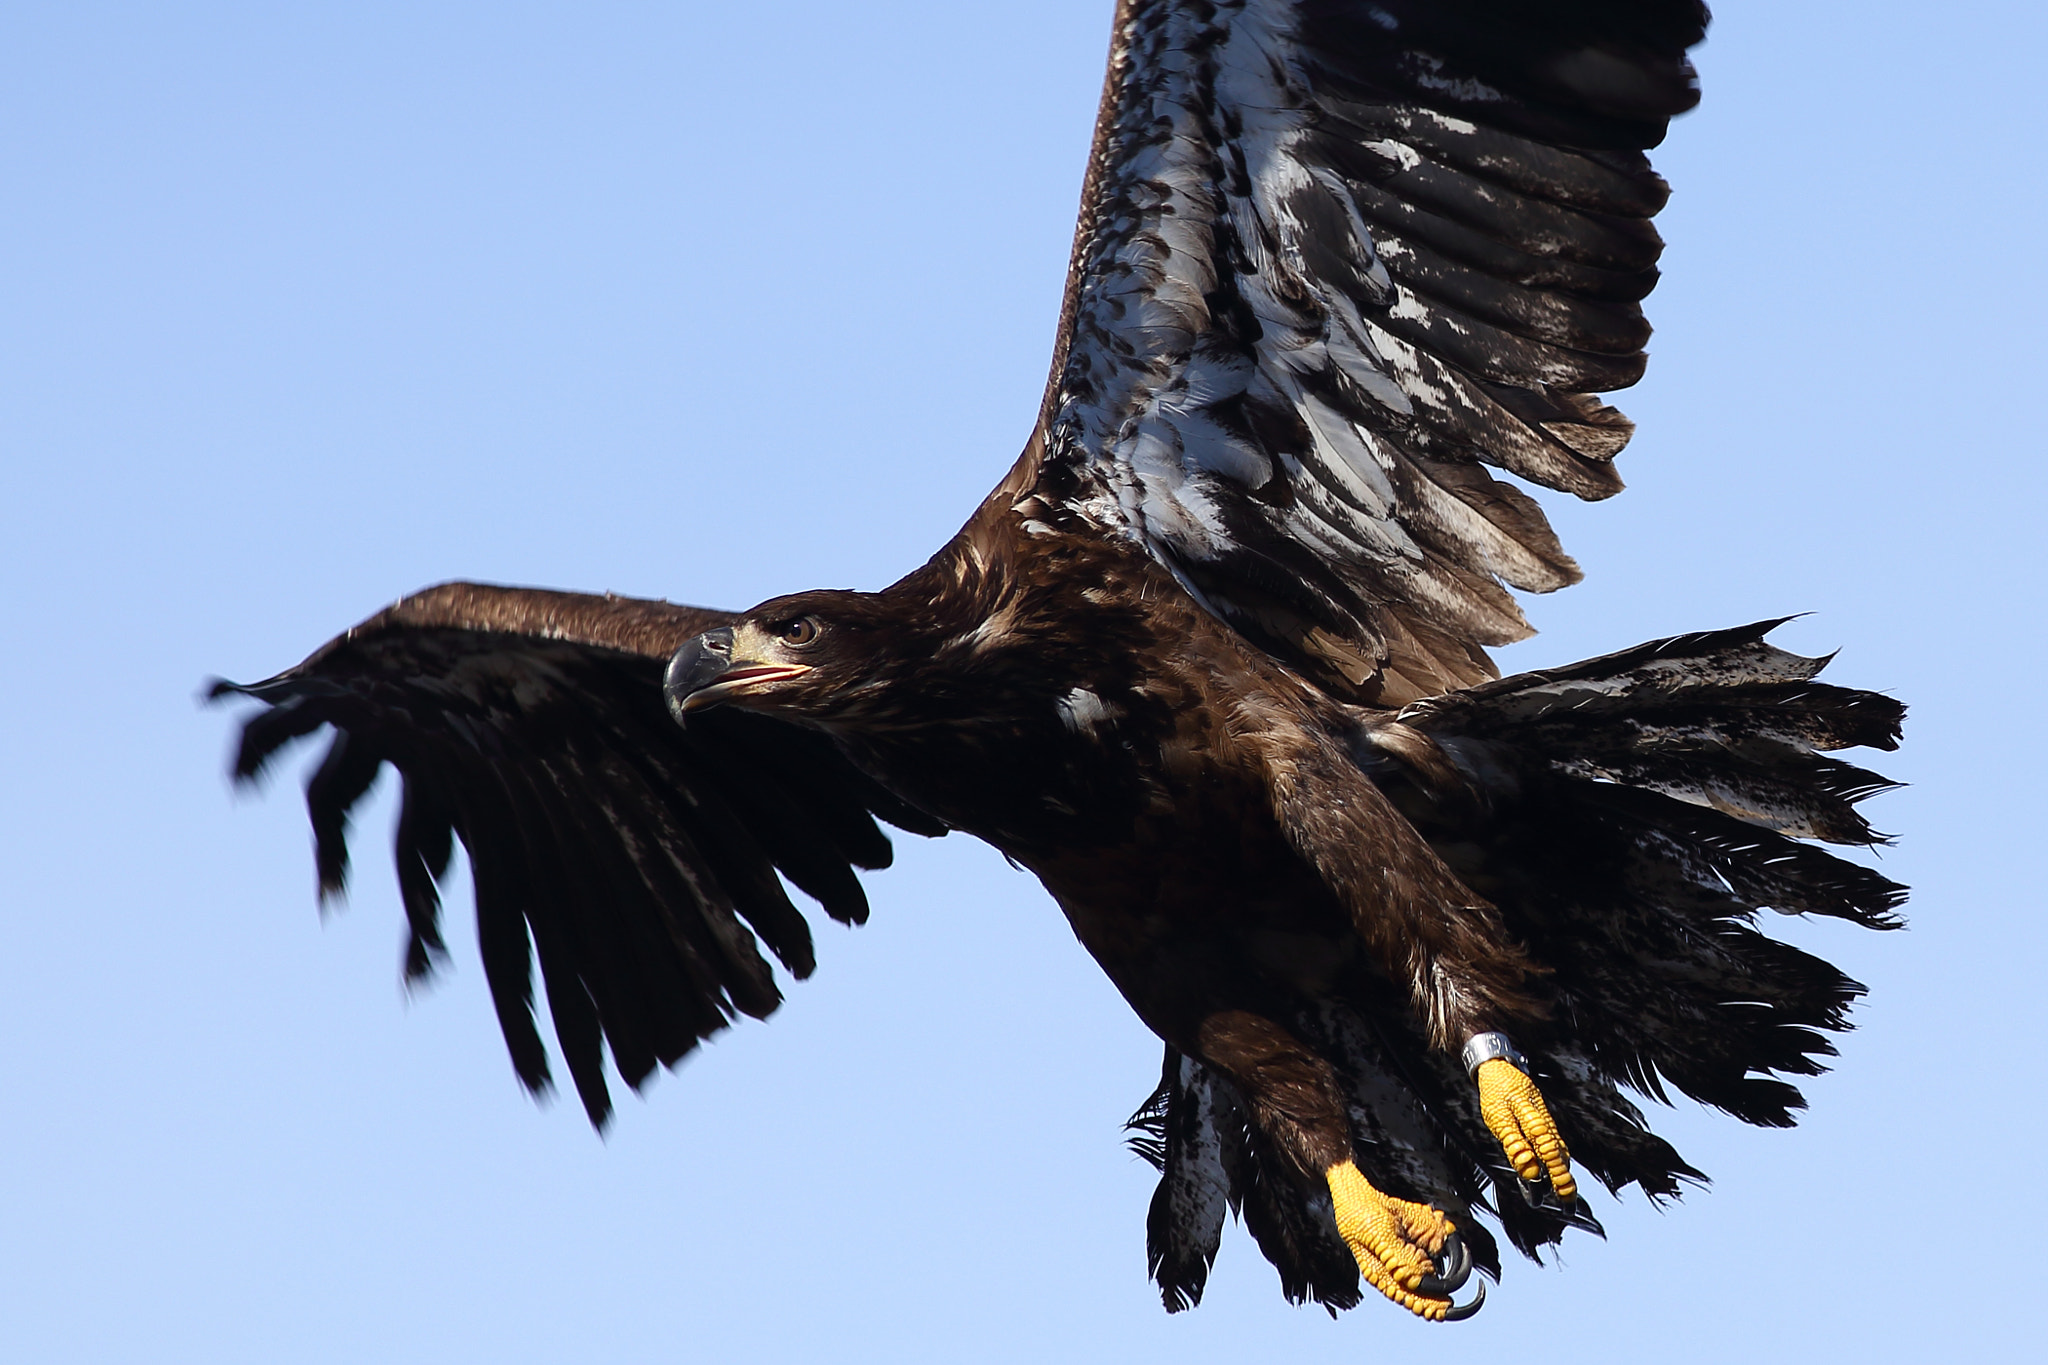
[
  {"x": 1336, "y": 258},
  {"x": 634, "y": 858}
]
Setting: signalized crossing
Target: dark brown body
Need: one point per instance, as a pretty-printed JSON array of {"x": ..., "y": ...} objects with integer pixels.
[{"x": 1196, "y": 809}]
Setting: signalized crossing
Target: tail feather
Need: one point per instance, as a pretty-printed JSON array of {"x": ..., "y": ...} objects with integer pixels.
[
  {"x": 1629, "y": 817},
  {"x": 1195, "y": 1130},
  {"x": 1295, "y": 1228},
  {"x": 1182, "y": 1130},
  {"x": 1633, "y": 814}
]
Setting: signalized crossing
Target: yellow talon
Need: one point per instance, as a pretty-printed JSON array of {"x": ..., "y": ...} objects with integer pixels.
[
  {"x": 1514, "y": 1109},
  {"x": 1391, "y": 1239}
]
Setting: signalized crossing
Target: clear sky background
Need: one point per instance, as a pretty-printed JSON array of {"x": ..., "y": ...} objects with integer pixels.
[{"x": 305, "y": 306}]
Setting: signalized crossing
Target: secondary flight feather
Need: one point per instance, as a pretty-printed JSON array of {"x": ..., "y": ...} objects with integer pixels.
[{"x": 1211, "y": 662}]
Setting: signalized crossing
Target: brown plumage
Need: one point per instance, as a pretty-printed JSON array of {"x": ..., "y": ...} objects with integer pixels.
[{"x": 1210, "y": 663}]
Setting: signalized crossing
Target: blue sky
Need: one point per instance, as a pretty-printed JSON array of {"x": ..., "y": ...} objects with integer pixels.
[{"x": 307, "y": 306}]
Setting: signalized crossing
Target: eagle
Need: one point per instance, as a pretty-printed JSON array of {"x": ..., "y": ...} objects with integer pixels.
[{"x": 1211, "y": 662}]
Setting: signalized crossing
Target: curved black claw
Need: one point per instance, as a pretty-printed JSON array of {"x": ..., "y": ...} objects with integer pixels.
[
  {"x": 1460, "y": 1311},
  {"x": 1573, "y": 1212},
  {"x": 1577, "y": 1215},
  {"x": 1453, "y": 1267}
]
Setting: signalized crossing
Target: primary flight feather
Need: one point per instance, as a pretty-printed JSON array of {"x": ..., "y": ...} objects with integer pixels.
[{"x": 1210, "y": 662}]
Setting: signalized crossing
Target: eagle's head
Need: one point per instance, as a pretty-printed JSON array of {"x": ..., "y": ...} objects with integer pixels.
[{"x": 817, "y": 656}]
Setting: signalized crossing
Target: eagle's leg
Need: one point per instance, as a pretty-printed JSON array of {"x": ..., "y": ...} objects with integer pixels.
[
  {"x": 1407, "y": 1251},
  {"x": 1399, "y": 1246},
  {"x": 1514, "y": 1109}
]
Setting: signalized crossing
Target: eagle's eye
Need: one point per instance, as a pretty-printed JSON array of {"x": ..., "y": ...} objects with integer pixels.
[{"x": 797, "y": 633}]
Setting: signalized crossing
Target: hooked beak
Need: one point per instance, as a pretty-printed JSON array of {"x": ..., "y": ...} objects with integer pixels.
[{"x": 704, "y": 673}]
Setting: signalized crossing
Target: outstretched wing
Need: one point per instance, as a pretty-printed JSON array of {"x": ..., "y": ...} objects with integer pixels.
[
  {"x": 636, "y": 859},
  {"x": 1336, "y": 258}
]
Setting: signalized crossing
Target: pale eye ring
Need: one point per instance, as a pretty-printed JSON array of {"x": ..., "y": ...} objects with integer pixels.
[{"x": 798, "y": 633}]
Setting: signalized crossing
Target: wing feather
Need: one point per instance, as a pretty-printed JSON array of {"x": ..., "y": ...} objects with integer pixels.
[
  {"x": 1333, "y": 261},
  {"x": 638, "y": 863}
]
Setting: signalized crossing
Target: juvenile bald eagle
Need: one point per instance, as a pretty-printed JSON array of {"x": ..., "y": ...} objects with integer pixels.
[{"x": 1210, "y": 661}]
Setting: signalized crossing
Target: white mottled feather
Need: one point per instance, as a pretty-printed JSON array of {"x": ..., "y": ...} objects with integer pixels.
[{"x": 1246, "y": 382}]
